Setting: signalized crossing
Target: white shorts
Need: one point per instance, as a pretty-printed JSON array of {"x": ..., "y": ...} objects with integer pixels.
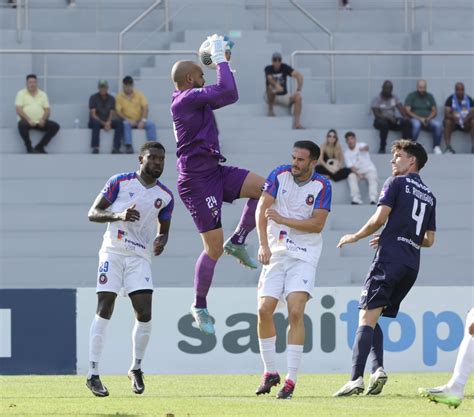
[
  {"x": 132, "y": 273},
  {"x": 283, "y": 100},
  {"x": 285, "y": 275}
]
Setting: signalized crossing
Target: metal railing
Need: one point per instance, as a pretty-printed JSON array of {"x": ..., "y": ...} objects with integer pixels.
[
  {"x": 369, "y": 53},
  {"x": 133, "y": 23},
  {"x": 119, "y": 53},
  {"x": 331, "y": 45}
]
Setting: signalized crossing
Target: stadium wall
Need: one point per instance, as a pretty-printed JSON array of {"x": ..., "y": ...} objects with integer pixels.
[{"x": 47, "y": 332}]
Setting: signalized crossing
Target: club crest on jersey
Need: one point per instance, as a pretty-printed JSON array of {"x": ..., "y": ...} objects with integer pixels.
[
  {"x": 283, "y": 235},
  {"x": 310, "y": 199},
  {"x": 158, "y": 203},
  {"x": 121, "y": 234},
  {"x": 102, "y": 279}
]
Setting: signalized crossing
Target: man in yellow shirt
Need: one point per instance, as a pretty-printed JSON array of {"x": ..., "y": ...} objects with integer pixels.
[
  {"x": 32, "y": 108},
  {"x": 132, "y": 107}
]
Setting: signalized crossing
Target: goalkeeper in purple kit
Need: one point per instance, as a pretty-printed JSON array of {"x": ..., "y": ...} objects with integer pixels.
[{"x": 203, "y": 183}]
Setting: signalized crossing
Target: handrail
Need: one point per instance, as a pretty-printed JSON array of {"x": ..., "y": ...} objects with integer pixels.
[
  {"x": 192, "y": 52},
  {"x": 430, "y": 22},
  {"x": 97, "y": 52},
  {"x": 268, "y": 14},
  {"x": 19, "y": 21},
  {"x": 331, "y": 45},
  {"x": 132, "y": 24}
]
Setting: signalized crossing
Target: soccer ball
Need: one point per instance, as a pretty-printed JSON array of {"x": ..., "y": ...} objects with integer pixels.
[{"x": 205, "y": 55}]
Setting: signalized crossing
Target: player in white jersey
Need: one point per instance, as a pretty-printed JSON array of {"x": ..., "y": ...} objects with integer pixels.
[
  {"x": 291, "y": 215},
  {"x": 452, "y": 393},
  {"x": 138, "y": 210}
]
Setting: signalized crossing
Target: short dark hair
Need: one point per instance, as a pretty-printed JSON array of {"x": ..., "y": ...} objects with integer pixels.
[
  {"x": 128, "y": 80},
  {"x": 151, "y": 145},
  {"x": 350, "y": 133},
  {"x": 413, "y": 149},
  {"x": 31, "y": 76},
  {"x": 313, "y": 149}
]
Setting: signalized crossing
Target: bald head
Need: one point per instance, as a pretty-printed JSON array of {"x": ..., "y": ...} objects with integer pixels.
[
  {"x": 186, "y": 75},
  {"x": 421, "y": 87}
]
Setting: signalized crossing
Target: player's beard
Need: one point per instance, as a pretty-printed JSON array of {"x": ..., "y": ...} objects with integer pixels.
[{"x": 155, "y": 174}]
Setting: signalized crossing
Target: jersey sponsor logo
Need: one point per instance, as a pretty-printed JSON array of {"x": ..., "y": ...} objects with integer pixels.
[
  {"x": 147, "y": 279},
  {"x": 103, "y": 279},
  {"x": 284, "y": 191},
  {"x": 310, "y": 199},
  {"x": 158, "y": 203},
  {"x": 305, "y": 281},
  {"x": 131, "y": 194}
]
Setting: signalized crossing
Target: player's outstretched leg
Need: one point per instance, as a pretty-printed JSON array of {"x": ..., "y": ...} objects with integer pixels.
[
  {"x": 204, "y": 272},
  {"x": 235, "y": 245}
]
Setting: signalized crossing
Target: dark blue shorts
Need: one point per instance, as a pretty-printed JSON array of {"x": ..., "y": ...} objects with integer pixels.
[{"x": 386, "y": 285}]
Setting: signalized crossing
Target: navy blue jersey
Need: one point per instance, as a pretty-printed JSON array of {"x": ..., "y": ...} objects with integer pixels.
[{"x": 413, "y": 213}]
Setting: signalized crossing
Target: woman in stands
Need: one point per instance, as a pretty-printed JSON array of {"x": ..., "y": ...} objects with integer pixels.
[{"x": 331, "y": 162}]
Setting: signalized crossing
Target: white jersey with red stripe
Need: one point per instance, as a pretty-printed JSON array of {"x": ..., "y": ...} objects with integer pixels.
[
  {"x": 154, "y": 202},
  {"x": 296, "y": 201}
]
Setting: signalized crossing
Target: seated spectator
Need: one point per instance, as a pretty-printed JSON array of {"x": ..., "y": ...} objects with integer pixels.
[
  {"x": 421, "y": 107},
  {"x": 331, "y": 162},
  {"x": 277, "y": 92},
  {"x": 32, "y": 108},
  {"x": 385, "y": 106},
  {"x": 346, "y": 5},
  {"x": 357, "y": 158},
  {"x": 458, "y": 115},
  {"x": 132, "y": 107},
  {"x": 102, "y": 111}
]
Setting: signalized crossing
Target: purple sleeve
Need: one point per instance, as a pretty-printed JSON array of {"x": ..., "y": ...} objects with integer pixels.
[
  {"x": 271, "y": 184},
  {"x": 323, "y": 199},
  {"x": 217, "y": 95},
  {"x": 111, "y": 189},
  {"x": 432, "y": 221},
  {"x": 388, "y": 194},
  {"x": 166, "y": 212}
]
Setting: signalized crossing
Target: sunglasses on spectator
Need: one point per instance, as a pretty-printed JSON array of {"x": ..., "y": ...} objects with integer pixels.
[{"x": 276, "y": 59}]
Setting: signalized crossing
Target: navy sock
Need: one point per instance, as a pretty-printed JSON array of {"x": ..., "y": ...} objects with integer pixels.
[
  {"x": 361, "y": 350},
  {"x": 377, "y": 348}
]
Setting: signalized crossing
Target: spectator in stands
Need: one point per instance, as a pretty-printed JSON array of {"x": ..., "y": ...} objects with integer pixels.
[
  {"x": 72, "y": 3},
  {"x": 13, "y": 3},
  {"x": 421, "y": 107},
  {"x": 132, "y": 106},
  {"x": 346, "y": 5},
  {"x": 32, "y": 108},
  {"x": 102, "y": 112},
  {"x": 358, "y": 160},
  {"x": 458, "y": 115},
  {"x": 331, "y": 162},
  {"x": 385, "y": 106},
  {"x": 277, "y": 92}
]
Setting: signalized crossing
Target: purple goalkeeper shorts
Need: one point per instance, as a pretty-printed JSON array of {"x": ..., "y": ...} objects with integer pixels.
[{"x": 203, "y": 194}]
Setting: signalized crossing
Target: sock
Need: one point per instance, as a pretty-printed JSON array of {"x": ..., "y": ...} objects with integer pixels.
[
  {"x": 140, "y": 337},
  {"x": 246, "y": 224},
  {"x": 361, "y": 350},
  {"x": 293, "y": 360},
  {"x": 96, "y": 343},
  {"x": 464, "y": 365},
  {"x": 268, "y": 354},
  {"x": 203, "y": 273},
  {"x": 377, "y": 348}
]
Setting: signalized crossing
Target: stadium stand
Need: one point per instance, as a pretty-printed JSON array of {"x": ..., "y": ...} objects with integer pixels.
[{"x": 46, "y": 240}]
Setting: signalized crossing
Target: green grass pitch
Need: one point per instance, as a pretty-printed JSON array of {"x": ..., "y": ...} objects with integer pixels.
[{"x": 220, "y": 395}]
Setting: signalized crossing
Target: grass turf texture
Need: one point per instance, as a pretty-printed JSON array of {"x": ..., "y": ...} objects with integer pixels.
[{"x": 220, "y": 395}]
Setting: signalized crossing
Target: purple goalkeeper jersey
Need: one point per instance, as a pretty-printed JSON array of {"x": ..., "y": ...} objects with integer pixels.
[
  {"x": 194, "y": 123},
  {"x": 413, "y": 213}
]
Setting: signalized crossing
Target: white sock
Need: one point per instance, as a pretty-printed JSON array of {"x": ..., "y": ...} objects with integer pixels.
[
  {"x": 293, "y": 360},
  {"x": 96, "y": 343},
  {"x": 140, "y": 337},
  {"x": 464, "y": 365},
  {"x": 268, "y": 353}
]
